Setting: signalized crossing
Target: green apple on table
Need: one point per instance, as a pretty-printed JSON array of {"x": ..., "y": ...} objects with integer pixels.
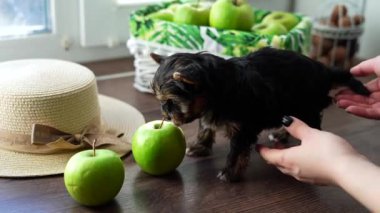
[
  {"x": 93, "y": 180},
  {"x": 158, "y": 147},
  {"x": 288, "y": 20},
  {"x": 272, "y": 28},
  {"x": 193, "y": 13},
  {"x": 232, "y": 15}
]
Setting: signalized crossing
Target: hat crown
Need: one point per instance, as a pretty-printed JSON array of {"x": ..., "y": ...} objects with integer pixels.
[
  {"x": 57, "y": 93},
  {"x": 42, "y": 77}
]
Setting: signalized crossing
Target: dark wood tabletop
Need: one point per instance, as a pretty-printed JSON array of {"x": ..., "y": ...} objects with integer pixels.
[{"x": 193, "y": 187}]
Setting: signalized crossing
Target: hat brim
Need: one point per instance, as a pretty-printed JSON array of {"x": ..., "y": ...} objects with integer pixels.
[{"x": 115, "y": 114}]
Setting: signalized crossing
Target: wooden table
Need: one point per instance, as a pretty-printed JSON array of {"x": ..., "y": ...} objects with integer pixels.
[{"x": 194, "y": 186}]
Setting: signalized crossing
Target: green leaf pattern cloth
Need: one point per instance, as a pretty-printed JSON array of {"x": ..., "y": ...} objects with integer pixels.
[{"x": 222, "y": 42}]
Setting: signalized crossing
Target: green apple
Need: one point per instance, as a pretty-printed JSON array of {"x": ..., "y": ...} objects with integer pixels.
[
  {"x": 272, "y": 28},
  {"x": 165, "y": 14},
  {"x": 94, "y": 180},
  {"x": 193, "y": 13},
  {"x": 232, "y": 14},
  {"x": 173, "y": 7},
  {"x": 158, "y": 149},
  {"x": 289, "y": 20}
]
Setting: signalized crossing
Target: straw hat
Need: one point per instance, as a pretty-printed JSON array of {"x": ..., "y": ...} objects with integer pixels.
[{"x": 49, "y": 110}]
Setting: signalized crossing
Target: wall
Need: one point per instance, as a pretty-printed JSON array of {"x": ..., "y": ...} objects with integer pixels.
[
  {"x": 270, "y": 4},
  {"x": 370, "y": 40}
]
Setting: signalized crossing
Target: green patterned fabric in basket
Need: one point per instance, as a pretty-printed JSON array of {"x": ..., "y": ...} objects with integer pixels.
[{"x": 222, "y": 42}]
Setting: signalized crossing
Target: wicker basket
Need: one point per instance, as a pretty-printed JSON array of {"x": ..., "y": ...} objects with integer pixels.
[
  {"x": 336, "y": 31},
  {"x": 166, "y": 38},
  {"x": 145, "y": 67}
]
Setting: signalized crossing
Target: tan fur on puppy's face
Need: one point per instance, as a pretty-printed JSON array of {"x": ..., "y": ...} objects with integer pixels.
[{"x": 178, "y": 109}]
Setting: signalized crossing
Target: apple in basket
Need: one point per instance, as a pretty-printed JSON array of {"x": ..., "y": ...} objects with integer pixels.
[
  {"x": 232, "y": 14},
  {"x": 166, "y": 14},
  {"x": 272, "y": 28},
  {"x": 158, "y": 147},
  {"x": 193, "y": 13},
  {"x": 289, "y": 20},
  {"x": 94, "y": 177}
]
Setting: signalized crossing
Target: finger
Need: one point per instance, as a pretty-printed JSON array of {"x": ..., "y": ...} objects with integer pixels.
[
  {"x": 310, "y": 181},
  {"x": 272, "y": 156},
  {"x": 364, "y": 112},
  {"x": 374, "y": 97},
  {"x": 366, "y": 67},
  {"x": 373, "y": 85},
  {"x": 345, "y": 92},
  {"x": 284, "y": 170},
  {"x": 297, "y": 128},
  {"x": 344, "y": 103},
  {"x": 354, "y": 97}
]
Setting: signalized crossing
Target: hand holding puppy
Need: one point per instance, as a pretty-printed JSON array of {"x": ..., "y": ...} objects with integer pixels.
[
  {"x": 325, "y": 158},
  {"x": 368, "y": 107},
  {"x": 318, "y": 157}
]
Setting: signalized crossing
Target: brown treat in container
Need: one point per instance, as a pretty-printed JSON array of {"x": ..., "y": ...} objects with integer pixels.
[
  {"x": 339, "y": 11},
  {"x": 338, "y": 54},
  {"x": 313, "y": 53},
  {"x": 345, "y": 21},
  {"x": 337, "y": 28},
  {"x": 350, "y": 44},
  {"x": 316, "y": 39},
  {"x": 324, "y": 60},
  {"x": 358, "y": 19},
  {"x": 326, "y": 43}
]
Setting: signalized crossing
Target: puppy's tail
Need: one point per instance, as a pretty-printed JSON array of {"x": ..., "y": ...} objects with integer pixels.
[{"x": 345, "y": 78}]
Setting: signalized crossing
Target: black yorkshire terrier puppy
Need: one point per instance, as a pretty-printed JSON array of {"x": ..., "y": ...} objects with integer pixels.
[{"x": 244, "y": 95}]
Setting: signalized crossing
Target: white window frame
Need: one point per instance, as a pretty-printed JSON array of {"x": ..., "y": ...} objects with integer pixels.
[{"x": 65, "y": 40}]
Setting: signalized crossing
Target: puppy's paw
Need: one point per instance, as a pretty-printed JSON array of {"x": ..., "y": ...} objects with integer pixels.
[
  {"x": 227, "y": 177},
  {"x": 198, "y": 150},
  {"x": 222, "y": 176},
  {"x": 279, "y": 136}
]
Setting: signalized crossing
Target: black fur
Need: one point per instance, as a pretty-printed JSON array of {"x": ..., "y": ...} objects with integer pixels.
[{"x": 245, "y": 95}]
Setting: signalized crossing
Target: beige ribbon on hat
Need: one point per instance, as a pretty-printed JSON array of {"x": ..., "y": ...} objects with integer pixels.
[{"x": 48, "y": 140}]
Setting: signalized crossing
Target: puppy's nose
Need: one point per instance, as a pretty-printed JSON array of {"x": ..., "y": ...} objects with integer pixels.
[{"x": 166, "y": 116}]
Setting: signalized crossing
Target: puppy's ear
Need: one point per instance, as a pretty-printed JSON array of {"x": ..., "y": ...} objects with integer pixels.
[
  {"x": 157, "y": 58},
  {"x": 180, "y": 77}
]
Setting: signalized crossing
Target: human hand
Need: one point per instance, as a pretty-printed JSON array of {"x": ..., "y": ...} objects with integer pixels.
[
  {"x": 316, "y": 160},
  {"x": 368, "y": 107}
]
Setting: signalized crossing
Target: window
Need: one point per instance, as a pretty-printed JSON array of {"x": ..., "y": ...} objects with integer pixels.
[
  {"x": 20, "y": 18},
  {"x": 57, "y": 31}
]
